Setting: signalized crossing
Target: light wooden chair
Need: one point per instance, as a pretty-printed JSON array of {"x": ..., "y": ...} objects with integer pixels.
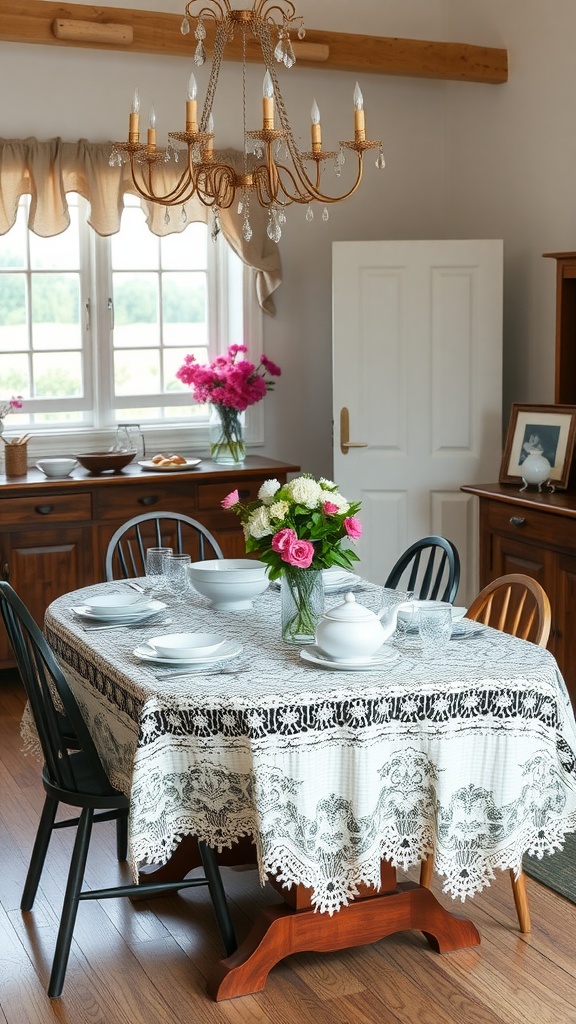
[{"x": 518, "y": 605}]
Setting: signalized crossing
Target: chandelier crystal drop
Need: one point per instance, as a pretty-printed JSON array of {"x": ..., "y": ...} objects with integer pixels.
[{"x": 275, "y": 172}]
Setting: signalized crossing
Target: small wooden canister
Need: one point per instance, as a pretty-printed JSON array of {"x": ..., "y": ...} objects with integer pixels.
[{"x": 16, "y": 459}]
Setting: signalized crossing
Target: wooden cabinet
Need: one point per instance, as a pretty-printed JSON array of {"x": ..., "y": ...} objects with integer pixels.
[
  {"x": 534, "y": 534},
  {"x": 54, "y": 533},
  {"x": 565, "y": 364}
]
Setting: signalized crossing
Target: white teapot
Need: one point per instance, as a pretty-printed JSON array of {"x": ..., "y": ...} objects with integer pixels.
[{"x": 351, "y": 632}]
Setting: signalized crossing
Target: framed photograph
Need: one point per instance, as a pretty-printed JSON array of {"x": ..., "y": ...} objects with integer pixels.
[{"x": 549, "y": 430}]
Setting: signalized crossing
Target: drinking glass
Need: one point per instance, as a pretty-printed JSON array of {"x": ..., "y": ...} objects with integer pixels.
[
  {"x": 435, "y": 626},
  {"x": 389, "y": 598},
  {"x": 129, "y": 437},
  {"x": 175, "y": 569},
  {"x": 155, "y": 568}
]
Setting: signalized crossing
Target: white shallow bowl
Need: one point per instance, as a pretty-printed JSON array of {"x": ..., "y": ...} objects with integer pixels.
[
  {"x": 110, "y": 604},
  {"x": 230, "y": 584},
  {"x": 406, "y": 615},
  {"x": 56, "y": 467},
  {"x": 186, "y": 645}
]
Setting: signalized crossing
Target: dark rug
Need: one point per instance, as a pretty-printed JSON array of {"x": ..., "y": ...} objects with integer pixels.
[{"x": 557, "y": 872}]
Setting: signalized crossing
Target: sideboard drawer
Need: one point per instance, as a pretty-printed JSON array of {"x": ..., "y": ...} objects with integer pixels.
[
  {"x": 532, "y": 524},
  {"x": 211, "y": 495},
  {"x": 125, "y": 502},
  {"x": 43, "y": 508}
]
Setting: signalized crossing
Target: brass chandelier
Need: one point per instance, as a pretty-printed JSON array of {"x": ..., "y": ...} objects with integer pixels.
[{"x": 273, "y": 171}]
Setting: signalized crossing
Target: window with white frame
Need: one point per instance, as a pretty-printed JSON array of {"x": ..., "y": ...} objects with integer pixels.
[{"x": 93, "y": 329}]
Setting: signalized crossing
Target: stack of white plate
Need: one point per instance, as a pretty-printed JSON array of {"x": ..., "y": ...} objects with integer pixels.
[
  {"x": 123, "y": 607},
  {"x": 188, "y": 649}
]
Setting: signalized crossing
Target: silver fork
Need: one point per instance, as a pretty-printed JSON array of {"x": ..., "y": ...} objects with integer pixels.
[
  {"x": 231, "y": 670},
  {"x": 128, "y": 625}
]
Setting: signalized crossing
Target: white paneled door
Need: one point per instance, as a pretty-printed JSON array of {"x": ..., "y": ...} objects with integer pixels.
[{"x": 417, "y": 352}]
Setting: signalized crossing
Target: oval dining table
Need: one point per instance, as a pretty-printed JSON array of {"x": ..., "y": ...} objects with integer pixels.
[{"x": 328, "y": 779}]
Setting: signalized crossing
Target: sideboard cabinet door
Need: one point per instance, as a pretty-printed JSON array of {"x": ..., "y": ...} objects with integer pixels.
[
  {"x": 41, "y": 563},
  {"x": 534, "y": 534}
]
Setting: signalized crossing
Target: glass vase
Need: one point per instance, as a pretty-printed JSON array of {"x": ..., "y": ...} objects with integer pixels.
[
  {"x": 302, "y": 604},
  {"x": 227, "y": 446}
]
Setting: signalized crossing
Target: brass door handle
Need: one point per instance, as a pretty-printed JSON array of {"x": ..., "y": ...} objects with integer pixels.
[{"x": 345, "y": 444}]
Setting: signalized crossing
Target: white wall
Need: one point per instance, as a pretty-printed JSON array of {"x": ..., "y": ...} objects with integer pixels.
[{"x": 462, "y": 160}]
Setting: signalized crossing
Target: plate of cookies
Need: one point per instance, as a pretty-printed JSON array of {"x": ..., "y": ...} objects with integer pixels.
[{"x": 169, "y": 463}]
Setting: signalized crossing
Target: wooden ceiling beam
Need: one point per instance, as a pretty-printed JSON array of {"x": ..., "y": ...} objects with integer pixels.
[{"x": 35, "y": 21}]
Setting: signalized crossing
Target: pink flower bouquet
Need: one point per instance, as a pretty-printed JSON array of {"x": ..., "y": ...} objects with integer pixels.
[{"x": 229, "y": 381}]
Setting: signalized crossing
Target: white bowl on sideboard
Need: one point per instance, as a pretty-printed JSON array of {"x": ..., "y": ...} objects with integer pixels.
[{"x": 56, "y": 467}]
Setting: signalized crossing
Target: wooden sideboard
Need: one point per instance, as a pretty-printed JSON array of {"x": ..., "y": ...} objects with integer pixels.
[
  {"x": 534, "y": 534},
  {"x": 54, "y": 533}
]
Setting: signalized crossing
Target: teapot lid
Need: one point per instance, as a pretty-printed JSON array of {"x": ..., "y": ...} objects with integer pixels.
[{"x": 350, "y": 611}]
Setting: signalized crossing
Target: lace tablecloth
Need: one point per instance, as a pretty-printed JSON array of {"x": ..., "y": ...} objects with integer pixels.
[{"x": 472, "y": 754}]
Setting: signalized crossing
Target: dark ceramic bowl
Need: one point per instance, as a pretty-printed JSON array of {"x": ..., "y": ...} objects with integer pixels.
[{"x": 99, "y": 462}]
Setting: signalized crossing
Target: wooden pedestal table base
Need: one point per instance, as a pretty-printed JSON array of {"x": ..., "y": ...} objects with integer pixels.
[
  {"x": 294, "y": 927},
  {"x": 282, "y": 930}
]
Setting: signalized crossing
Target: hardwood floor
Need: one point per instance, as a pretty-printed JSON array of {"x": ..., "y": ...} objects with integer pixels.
[{"x": 147, "y": 962}]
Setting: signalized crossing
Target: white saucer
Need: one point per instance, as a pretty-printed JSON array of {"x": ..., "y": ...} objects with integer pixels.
[
  {"x": 189, "y": 464},
  {"x": 385, "y": 656},
  {"x": 152, "y": 608},
  {"x": 335, "y": 582},
  {"x": 224, "y": 653}
]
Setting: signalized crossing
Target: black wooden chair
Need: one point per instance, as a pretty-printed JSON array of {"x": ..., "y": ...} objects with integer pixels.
[
  {"x": 430, "y": 567},
  {"x": 76, "y": 777},
  {"x": 126, "y": 551}
]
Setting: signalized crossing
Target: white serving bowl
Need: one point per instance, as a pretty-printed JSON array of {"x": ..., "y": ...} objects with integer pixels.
[
  {"x": 111, "y": 604},
  {"x": 186, "y": 645},
  {"x": 56, "y": 467},
  {"x": 230, "y": 584}
]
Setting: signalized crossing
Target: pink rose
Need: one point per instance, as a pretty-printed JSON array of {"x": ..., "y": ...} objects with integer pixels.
[
  {"x": 231, "y": 499},
  {"x": 282, "y": 540},
  {"x": 300, "y": 554},
  {"x": 329, "y": 508},
  {"x": 353, "y": 527}
]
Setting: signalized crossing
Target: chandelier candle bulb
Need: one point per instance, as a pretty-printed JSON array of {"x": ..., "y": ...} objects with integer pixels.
[
  {"x": 152, "y": 129},
  {"x": 316, "y": 129},
  {"x": 268, "y": 102},
  {"x": 134, "y": 129},
  {"x": 208, "y": 152},
  {"x": 191, "y": 106},
  {"x": 359, "y": 124}
]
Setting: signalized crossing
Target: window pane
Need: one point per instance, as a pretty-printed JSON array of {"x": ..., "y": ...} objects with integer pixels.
[
  {"x": 13, "y": 252},
  {"x": 57, "y": 375},
  {"x": 136, "y": 306},
  {"x": 12, "y": 308},
  {"x": 186, "y": 250},
  {"x": 134, "y": 247},
  {"x": 14, "y": 375},
  {"x": 55, "y": 311},
  {"x": 59, "y": 252},
  {"x": 172, "y": 361},
  {"x": 137, "y": 372},
  {"x": 183, "y": 307}
]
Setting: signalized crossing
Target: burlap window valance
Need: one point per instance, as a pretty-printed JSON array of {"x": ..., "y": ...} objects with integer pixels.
[{"x": 48, "y": 170}]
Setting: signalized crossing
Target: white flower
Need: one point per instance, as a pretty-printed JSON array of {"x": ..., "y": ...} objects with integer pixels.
[
  {"x": 267, "y": 491},
  {"x": 337, "y": 499},
  {"x": 279, "y": 510},
  {"x": 328, "y": 485},
  {"x": 259, "y": 523},
  {"x": 305, "y": 491}
]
